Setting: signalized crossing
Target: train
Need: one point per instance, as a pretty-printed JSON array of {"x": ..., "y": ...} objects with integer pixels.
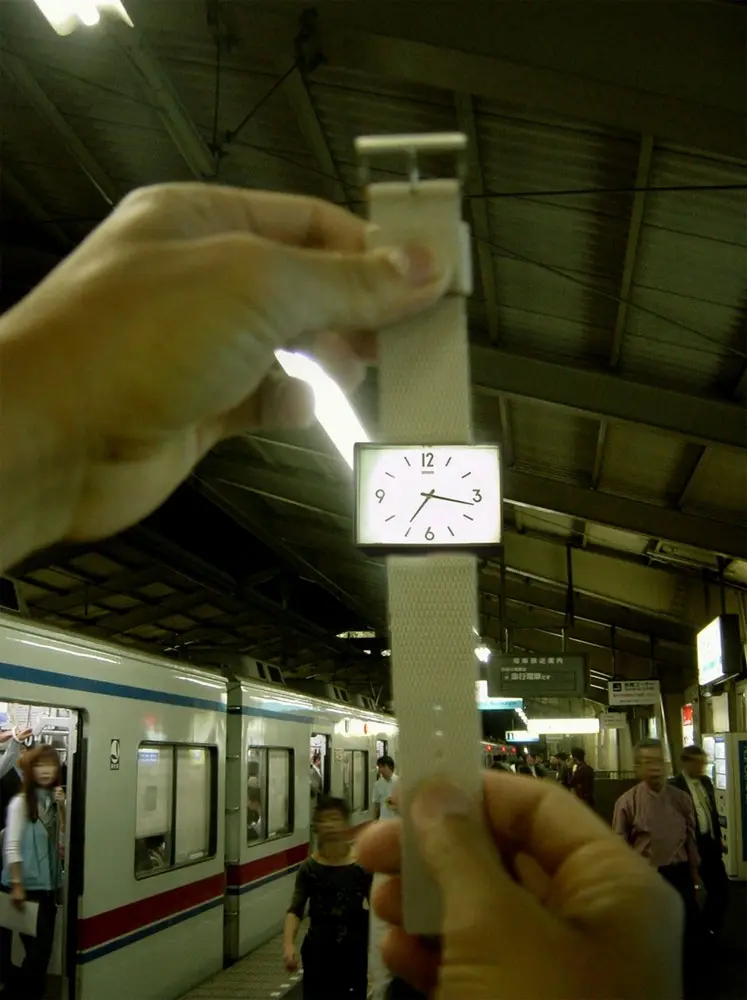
[{"x": 189, "y": 803}]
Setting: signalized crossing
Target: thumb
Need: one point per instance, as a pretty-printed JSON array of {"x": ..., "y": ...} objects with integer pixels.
[
  {"x": 319, "y": 290},
  {"x": 460, "y": 853}
]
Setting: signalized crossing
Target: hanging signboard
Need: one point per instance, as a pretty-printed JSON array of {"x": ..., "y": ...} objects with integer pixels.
[
  {"x": 514, "y": 676},
  {"x": 613, "y": 720},
  {"x": 634, "y": 693},
  {"x": 521, "y": 736},
  {"x": 487, "y": 704}
]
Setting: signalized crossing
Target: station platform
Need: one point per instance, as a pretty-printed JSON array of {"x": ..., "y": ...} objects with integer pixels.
[{"x": 259, "y": 976}]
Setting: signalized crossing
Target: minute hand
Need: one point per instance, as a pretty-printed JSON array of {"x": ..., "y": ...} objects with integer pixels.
[{"x": 435, "y": 496}]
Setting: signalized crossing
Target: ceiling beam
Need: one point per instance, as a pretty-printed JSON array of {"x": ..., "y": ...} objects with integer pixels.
[
  {"x": 145, "y": 614},
  {"x": 478, "y": 207},
  {"x": 253, "y": 516},
  {"x": 297, "y": 92},
  {"x": 208, "y": 576},
  {"x": 568, "y": 94},
  {"x": 49, "y": 112},
  {"x": 95, "y": 590},
  {"x": 334, "y": 498},
  {"x": 163, "y": 97},
  {"x": 601, "y": 394},
  {"x": 635, "y": 225},
  {"x": 19, "y": 193},
  {"x": 337, "y": 552}
]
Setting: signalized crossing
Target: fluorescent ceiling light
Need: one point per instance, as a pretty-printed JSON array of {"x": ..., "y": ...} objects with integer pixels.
[
  {"x": 570, "y": 727},
  {"x": 482, "y": 653},
  {"x": 66, "y": 15},
  {"x": 331, "y": 407}
]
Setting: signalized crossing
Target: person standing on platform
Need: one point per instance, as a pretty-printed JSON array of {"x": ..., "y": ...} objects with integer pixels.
[
  {"x": 383, "y": 796},
  {"x": 658, "y": 821},
  {"x": 385, "y": 807},
  {"x": 694, "y": 781},
  {"x": 581, "y": 780},
  {"x": 336, "y": 890}
]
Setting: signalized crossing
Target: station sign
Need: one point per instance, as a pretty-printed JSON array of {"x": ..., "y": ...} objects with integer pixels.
[
  {"x": 613, "y": 720},
  {"x": 535, "y": 676},
  {"x": 623, "y": 693},
  {"x": 521, "y": 736},
  {"x": 487, "y": 704}
]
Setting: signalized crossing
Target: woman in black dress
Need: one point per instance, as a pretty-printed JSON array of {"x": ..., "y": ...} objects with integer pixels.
[{"x": 335, "y": 951}]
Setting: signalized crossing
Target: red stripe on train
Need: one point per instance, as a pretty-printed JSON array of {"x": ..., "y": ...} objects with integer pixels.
[
  {"x": 251, "y": 871},
  {"x": 93, "y": 931}
]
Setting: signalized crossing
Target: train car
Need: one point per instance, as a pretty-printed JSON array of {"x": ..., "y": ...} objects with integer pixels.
[
  {"x": 144, "y": 743},
  {"x": 272, "y": 734}
]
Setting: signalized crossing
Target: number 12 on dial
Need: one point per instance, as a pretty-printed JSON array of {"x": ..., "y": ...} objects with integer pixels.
[{"x": 440, "y": 496}]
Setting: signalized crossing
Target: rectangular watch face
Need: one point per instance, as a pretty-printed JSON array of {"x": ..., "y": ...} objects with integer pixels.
[{"x": 430, "y": 496}]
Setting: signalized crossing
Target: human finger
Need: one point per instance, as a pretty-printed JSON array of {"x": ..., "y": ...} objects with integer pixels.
[
  {"x": 378, "y": 846},
  {"x": 192, "y": 210},
  {"x": 386, "y": 899},
  {"x": 540, "y": 819},
  {"x": 457, "y": 847},
  {"x": 412, "y": 959}
]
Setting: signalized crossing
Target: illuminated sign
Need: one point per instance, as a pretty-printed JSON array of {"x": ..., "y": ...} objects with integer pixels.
[
  {"x": 487, "y": 704},
  {"x": 521, "y": 736},
  {"x": 565, "y": 727},
  {"x": 710, "y": 653},
  {"x": 634, "y": 693},
  {"x": 719, "y": 650}
]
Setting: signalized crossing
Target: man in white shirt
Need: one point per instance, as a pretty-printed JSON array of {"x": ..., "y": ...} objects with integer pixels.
[
  {"x": 384, "y": 808},
  {"x": 383, "y": 795},
  {"x": 694, "y": 780}
]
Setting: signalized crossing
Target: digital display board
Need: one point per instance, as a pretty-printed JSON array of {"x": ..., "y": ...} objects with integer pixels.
[{"x": 719, "y": 650}]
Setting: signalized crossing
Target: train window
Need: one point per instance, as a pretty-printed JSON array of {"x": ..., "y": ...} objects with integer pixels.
[
  {"x": 269, "y": 793},
  {"x": 175, "y": 808},
  {"x": 193, "y": 799},
  {"x": 355, "y": 779}
]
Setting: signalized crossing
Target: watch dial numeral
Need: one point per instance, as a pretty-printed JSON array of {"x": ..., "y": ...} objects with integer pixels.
[
  {"x": 476, "y": 496},
  {"x": 429, "y": 536},
  {"x": 380, "y": 494},
  {"x": 426, "y": 460}
]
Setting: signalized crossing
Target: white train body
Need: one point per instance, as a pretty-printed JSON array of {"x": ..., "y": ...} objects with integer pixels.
[{"x": 189, "y": 805}]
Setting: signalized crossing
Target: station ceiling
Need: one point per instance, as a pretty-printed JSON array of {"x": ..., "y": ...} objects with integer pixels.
[{"x": 607, "y": 197}]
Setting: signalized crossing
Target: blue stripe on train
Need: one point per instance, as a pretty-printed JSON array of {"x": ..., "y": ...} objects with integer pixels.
[{"x": 47, "y": 678}]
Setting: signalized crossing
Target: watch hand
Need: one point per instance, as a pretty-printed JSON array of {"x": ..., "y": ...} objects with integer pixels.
[
  {"x": 435, "y": 496},
  {"x": 427, "y": 496}
]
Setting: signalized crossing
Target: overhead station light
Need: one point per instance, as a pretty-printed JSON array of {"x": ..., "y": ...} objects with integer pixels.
[
  {"x": 67, "y": 15},
  {"x": 563, "y": 727},
  {"x": 331, "y": 407}
]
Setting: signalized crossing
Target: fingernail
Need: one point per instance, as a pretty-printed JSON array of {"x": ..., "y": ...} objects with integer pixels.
[
  {"x": 415, "y": 263},
  {"x": 435, "y": 801}
]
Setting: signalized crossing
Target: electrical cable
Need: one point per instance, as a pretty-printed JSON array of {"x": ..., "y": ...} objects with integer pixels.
[{"x": 230, "y": 136}]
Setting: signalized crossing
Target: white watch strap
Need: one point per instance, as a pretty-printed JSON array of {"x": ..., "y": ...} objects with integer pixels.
[{"x": 426, "y": 398}]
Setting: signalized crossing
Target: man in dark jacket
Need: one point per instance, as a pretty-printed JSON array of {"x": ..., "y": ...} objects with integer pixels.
[
  {"x": 693, "y": 780},
  {"x": 582, "y": 777}
]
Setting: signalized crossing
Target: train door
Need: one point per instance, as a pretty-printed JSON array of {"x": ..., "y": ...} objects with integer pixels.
[
  {"x": 59, "y": 728},
  {"x": 320, "y": 744}
]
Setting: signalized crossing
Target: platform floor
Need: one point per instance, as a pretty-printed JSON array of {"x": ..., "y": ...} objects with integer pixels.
[{"x": 259, "y": 976}]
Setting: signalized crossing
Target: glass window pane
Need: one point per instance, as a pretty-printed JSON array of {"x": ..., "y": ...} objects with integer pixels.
[
  {"x": 278, "y": 792},
  {"x": 347, "y": 777},
  {"x": 193, "y": 802},
  {"x": 153, "y": 808},
  {"x": 360, "y": 780},
  {"x": 255, "y": 785}
]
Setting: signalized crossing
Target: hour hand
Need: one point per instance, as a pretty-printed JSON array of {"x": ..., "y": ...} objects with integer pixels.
[{"x": 427, "y": 496}]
